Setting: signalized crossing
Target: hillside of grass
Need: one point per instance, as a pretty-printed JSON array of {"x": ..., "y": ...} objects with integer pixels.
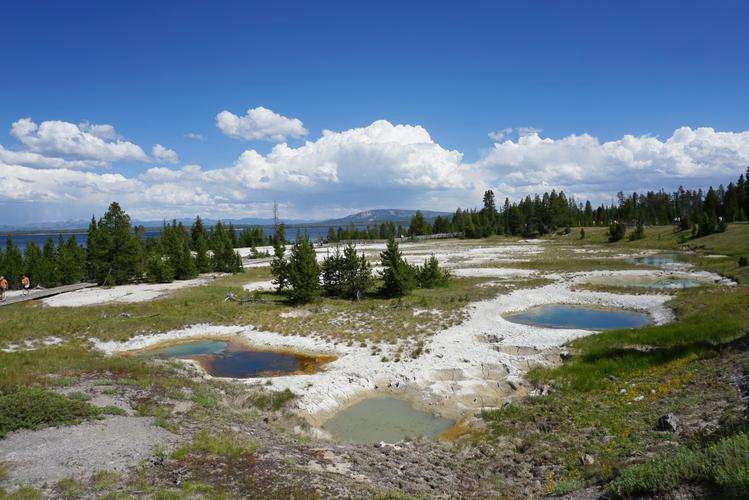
[
  {"x": 719, "y": 252},
  {"x": 597, "y": 427}
]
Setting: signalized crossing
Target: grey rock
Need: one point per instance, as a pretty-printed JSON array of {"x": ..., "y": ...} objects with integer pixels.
[{"x": 668, "y": 423}]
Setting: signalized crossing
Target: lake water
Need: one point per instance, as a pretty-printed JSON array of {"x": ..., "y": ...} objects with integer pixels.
[
  {"x": 385, "y": 419},
  {"x": 232, "y": 359},
  {"x": 572, "y": 316},
  {"x": 23, "y": 239}
]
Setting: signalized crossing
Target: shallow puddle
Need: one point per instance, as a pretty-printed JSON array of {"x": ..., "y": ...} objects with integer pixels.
[
  {"x": 658, "y": 260},
  {"x": 662, "y": 282},
  {"x": 385, "y": 419},
  {"x": 582, "y": 317},
  {"x": 225, "y": 358}
]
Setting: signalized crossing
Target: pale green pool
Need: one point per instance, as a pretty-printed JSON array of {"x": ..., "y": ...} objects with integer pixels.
[{"x": 385, "y": 419}]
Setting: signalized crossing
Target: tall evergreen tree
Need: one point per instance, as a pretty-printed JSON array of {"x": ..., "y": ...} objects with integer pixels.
[
  {"x": 33, "y": 263},
  {"x": 303, "y": 272},
  {"x": 12, "y": 263},
  {"x": 199, "y": 244},
  {"x": 397, "y": 276},
  {"x": 418, "y": 225}
]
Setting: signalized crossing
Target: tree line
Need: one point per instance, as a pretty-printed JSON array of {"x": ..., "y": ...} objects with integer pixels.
[
  {"x": 702, "y": 212},
  {"x": 347, "y": 273},
  {"x": 117, "y": 253}
]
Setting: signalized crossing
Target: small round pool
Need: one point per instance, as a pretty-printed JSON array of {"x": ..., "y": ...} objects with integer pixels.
[
  {"x": 579, "y": 317},
  {"x": 225, "y": 358}
]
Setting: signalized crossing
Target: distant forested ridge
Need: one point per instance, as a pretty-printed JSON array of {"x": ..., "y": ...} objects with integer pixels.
[{"x": 701, "y": 211}]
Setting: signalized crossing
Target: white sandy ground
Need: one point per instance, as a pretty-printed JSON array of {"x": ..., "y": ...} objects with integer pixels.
[
  {"x": 30, "y": 345},
  {"x": 463, "y": 368},
  {"x": 262, "y": 286},
  {"x": 619, "y": 278},
  {"x": 123, "y": 293},
  {"x": 450, "y": 253}
]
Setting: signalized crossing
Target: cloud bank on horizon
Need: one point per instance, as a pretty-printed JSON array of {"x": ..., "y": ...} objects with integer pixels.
[{"x": 73, "y": 170}]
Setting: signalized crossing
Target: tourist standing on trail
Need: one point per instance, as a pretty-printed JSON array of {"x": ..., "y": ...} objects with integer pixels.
[
  {"x": 3, "y": 287},
  {"x": 26, "y": 283}
]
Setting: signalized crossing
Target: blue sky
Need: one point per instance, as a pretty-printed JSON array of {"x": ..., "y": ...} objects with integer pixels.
[{"x": 458, "y": 71}]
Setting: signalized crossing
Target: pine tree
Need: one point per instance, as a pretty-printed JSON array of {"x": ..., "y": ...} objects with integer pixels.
[
  {"x": 50, "y": 270},
  {"x": 118, "y": 252},
  {"x": 279, "y": 267},
  {"x": 225, "y": 258},
  {"x": 638, "y": 233},
  {"x": 397, "y": 276},
  {"x": 12, "y": 263},
  {"x": 303, "y": 272},
  {"x": 199, "y": 244},
  {"x": 617, "y": 231},
  {"x": 175, "y": 245},
  {"x": 418, "y": 225},
  {"x": 357, "y": 273},
  {"x": 33, "y": 263},
  {"x": 71, "y": 259},
  {"x": 158, "y": 269},
  {"x": 431, "y": 275},
  {"x": 332, "y": 273}
]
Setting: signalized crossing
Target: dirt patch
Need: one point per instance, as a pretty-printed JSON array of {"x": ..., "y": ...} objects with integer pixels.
[{"x": 52, "y": 454}]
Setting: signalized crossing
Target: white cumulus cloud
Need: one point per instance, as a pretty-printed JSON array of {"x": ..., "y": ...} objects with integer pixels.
[
  {"x": 260, "y": 124},
  {"x": 164, "y": 154},
  {"x": 583, "y": 164},
  {"x": 68, "y": 140}
]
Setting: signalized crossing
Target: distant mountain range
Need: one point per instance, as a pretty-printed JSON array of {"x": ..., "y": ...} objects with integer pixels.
[
  {"x": 360, "y": 218},
  {"x": 381, "y": 215}
]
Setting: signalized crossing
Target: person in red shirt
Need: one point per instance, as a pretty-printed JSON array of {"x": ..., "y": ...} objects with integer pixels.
[{"x": 3, "y": 287}]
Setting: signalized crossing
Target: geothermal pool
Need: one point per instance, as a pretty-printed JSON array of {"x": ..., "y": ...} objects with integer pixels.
[
  {"x": 385, "y": 419},
  {"x": 581, "y": 317}
]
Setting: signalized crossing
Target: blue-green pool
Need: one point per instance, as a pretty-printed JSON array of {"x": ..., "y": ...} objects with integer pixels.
[
  {"x": 582, "y": 317},
  {"x": 223, "y": 358},
  {"x": 385, "y": 419}
]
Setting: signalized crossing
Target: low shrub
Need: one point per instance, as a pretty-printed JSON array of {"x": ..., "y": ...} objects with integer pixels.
[
  {"x": 33, "y": 408},
  {"x": 617, "y": 231}
]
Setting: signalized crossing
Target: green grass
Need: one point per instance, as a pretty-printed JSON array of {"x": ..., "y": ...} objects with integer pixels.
[
  {"x": 568, "y": 485},
  {"x": 723, "y": 465},
  {"x": 228, "y": 445},
  {"x": 373, "y": 318},
  {"x": 22, "y": 493},
  {"x": 733, "y": 243},
  {"x": 104, "y": 479},
  {"x": 70, "y": 488},
  {"x": 274, "y": 400},
  {"x": 4, "y": 471},
  {"x": 34, "y": 408}
]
